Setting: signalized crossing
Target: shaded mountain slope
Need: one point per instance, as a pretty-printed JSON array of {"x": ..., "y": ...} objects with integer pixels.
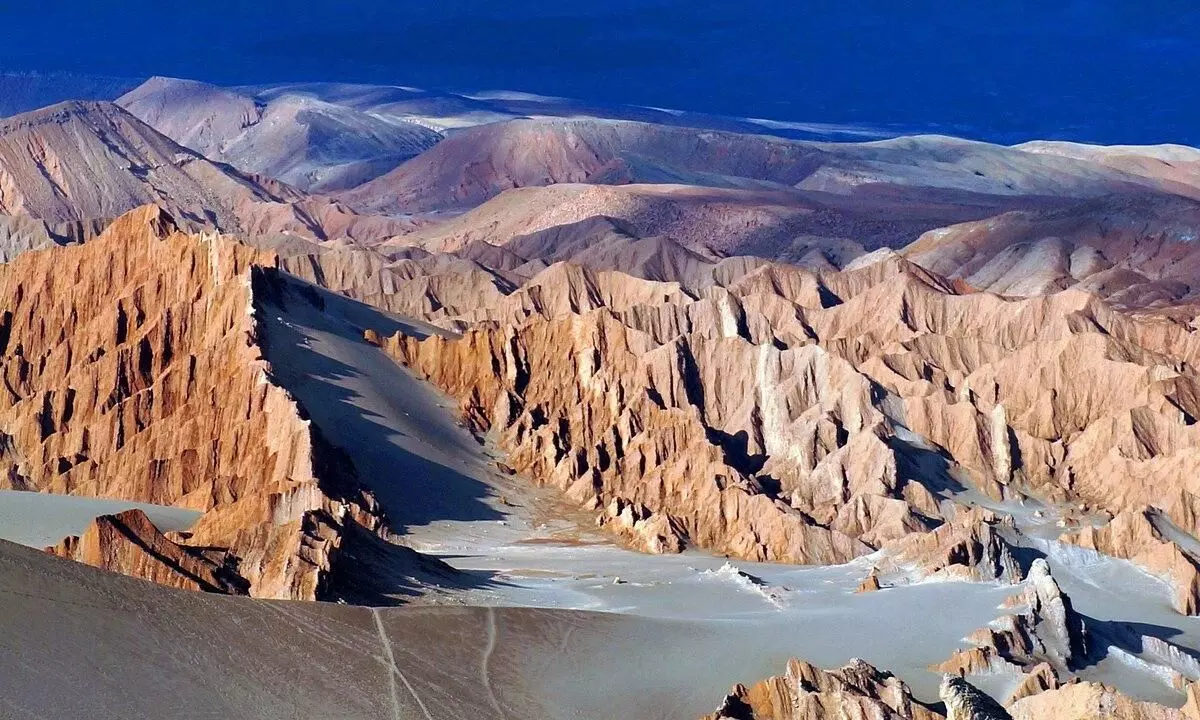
[
  {"x": 478, "y": 163},
  {"x": 76, "y": 166}
]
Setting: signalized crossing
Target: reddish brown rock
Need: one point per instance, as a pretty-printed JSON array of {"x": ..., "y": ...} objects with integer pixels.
[
  {"x": 129, "y": 543},
  {"x": 1085, "y": 701},
  {"x": 806, "y": 692},
  {"x": 870, "y": 583},
  {"x": 131, "y": 369}
]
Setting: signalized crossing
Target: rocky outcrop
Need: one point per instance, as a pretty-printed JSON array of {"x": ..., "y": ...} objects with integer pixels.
[
  {"x": 1043, "y": 641},
  {"x": 1087, "y": 700},
  {"x": 1134, "y": 535},
  {"x": 806, "y": 692},
  {"x": 131, "y": 369},
  {"x": 128, "y": 543},
  {"x": 858, "y": 690},
  {"x": 969, "y": 547},
  {"x": 965, "y": 702},
  {"x": 870, "y": 583},
  {"x": 1040, "y": 679},
  {"x": 1059, "y": 629}
]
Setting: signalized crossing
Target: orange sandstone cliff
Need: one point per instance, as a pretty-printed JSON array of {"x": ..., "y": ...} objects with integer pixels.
[{"x": 131, "y": 369}]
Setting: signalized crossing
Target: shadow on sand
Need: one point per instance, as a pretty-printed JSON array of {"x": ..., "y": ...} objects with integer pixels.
[
  {"x": 406, "y": 448},
  {"x": 1105, "y": 635}
]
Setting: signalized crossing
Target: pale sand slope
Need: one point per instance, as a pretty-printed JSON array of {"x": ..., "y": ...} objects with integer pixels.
[
  {"x": 42, "y": 519},
  {"x": 173, "y": 654},
  {"x": 430, "y": 475},
  {"x": 81, "y": 643}
]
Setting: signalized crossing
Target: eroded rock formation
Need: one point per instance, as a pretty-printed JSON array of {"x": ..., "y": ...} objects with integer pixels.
[
  {"x": 862, "y": 692},
  {"x": 684, "y": 420},
  {"x": 131, "y": 369},
  {"x": 129, "y": 543},
  {"x": 806, "y": 692},
  {"x": 1044, "y": 640},
  {"x": 830, "y": 412},
  {"x": 968, "y": 547},
  {"x": 1086, "y": 701},
  {"x": 964, "y": 701}
]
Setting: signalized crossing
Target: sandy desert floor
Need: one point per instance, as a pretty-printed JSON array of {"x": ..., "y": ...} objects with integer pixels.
[{"x": 41, "y": 519}]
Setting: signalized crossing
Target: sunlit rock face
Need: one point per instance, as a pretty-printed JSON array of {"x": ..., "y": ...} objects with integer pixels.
[
  {"x": 1042, "y": 642},
  {"x": 822, "y": 415},
  {"x": 806, "y": 692},
  {"x": 133, "y": 370}
]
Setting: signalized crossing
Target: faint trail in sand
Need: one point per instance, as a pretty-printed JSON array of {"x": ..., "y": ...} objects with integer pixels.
[
  {"x": 487, "y": 657},
  {"x": 566, "y": 638},
  {"x": 394, "y": 672}
]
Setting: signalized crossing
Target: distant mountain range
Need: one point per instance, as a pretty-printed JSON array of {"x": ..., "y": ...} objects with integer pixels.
[{"x": 437, "y": 110}]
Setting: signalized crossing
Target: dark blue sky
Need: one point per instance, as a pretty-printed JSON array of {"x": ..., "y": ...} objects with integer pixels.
[{"x": 1113, "y": 71}]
